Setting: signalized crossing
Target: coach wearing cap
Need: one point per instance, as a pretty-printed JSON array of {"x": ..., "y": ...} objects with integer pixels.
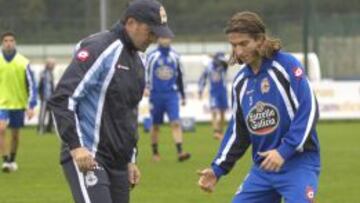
[{"x": 95, "y": 102}]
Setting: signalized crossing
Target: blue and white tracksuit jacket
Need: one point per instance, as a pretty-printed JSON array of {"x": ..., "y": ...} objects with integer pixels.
[
  {"x": 95, "y": 102},
  {"x": 274, "y": 109}
]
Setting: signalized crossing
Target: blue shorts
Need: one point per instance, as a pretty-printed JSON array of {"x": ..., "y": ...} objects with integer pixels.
[
  {"x": 164, "y": 103},
  {"x": 296, "y": 185},
  {"x": 218, "y": 101},
  {"x": 15, "y": 117}
]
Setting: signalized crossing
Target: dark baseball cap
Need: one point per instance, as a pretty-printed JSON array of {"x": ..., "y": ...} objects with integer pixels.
[{"x": 152, "y": 13}]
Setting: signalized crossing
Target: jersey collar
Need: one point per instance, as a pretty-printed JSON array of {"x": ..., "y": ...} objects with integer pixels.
[
  {"x": 9, "y": 57},
  {"x": 265, "y": 65},
  {"x": 124, "y": 37}
]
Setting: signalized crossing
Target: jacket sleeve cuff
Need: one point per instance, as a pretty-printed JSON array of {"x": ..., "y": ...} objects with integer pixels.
[
  {"x": 134, "y": 156},
  {"x": 286, "y": 150},
  {"x": 218, "y": 171},
  {"x": 74, "y": 146},
  {"x": 32, "y": 104}
]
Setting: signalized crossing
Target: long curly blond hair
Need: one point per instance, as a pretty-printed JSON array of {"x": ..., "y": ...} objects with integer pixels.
[{"x": 250, "y": 23}]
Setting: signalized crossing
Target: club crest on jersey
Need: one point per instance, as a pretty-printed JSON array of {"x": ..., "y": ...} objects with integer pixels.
[
  {"x": 262, "y": 119},
  {"x": 310, "y": 194},
  {"x": 83, "y": 55},
  {"x": 298, "y": 72},
  {"x": 164, "y": 72},
  {"x": 163, "y": 16},
  {"x": 265, "y": 86},
  {"x": 90, "y": 179}
]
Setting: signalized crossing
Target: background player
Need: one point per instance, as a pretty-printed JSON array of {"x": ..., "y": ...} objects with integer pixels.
[
  {"x": 46, "y": 89},
  {"x": 215, "y": 73},
  {"x": 17, "y": 96},
  {"x": 165, "y": 82}
]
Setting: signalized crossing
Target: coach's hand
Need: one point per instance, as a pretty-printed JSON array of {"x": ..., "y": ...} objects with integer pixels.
[
  {"x": 134, "y": 174},
  {"x": 83, "y": 158},
  {"x": 207, "y": 179},
  {"x": 273, "y": 161},
  {"x": 30, "y": 113}
]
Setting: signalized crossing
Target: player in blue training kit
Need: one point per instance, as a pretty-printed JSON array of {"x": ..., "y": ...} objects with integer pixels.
[
  {"x": 215, "y": 72},
  {"x": 274, "y": 110},
  {"x": 164, "y": 81}
]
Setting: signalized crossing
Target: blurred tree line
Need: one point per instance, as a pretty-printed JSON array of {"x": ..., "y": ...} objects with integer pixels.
[{"x": 67, "y": 21}]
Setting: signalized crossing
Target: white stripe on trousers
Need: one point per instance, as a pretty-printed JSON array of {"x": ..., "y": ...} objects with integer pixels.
[{"x": 81, "y": 179}]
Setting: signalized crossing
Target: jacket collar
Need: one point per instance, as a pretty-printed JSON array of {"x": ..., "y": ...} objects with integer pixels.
[{"x": 120, "y": 31}]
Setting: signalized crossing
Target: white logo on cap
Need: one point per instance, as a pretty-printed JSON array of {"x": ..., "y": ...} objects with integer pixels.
[{"x": 163, "y": 16}]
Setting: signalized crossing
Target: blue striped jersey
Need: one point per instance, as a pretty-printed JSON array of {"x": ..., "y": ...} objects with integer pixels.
[{"x": 273, "y": 109}]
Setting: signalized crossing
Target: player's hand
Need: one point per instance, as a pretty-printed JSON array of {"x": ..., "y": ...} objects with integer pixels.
[
  {"x": 134, "y": 174},
  {"x": 146, "y": 92},
  {"x": 30, "y": 113},
  {"x": 83, "y": 159},
  {"x": 207, "y": 180},
  {"x": 273, "y": 161}
]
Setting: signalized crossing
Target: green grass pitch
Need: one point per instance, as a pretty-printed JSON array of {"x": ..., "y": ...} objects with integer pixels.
[{"x": 40, "y": 180}]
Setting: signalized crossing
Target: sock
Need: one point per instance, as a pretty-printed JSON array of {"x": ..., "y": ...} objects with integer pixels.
[
  {"x": 179, "y": 147},
  {"x": 12, "y": 157},
  {"x": 5, "y": 158},
  {"x": 155, "y": 148},
  {"x": 217, "y": 131}
]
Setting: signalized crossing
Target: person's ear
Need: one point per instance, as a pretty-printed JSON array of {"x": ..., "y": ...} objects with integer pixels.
[
  {"x": 260, "y": 38},
  {"x": 131, "y": 23}
]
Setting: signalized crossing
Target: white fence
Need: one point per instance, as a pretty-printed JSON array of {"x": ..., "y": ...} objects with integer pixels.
[{"x": 337, "y": 99}]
